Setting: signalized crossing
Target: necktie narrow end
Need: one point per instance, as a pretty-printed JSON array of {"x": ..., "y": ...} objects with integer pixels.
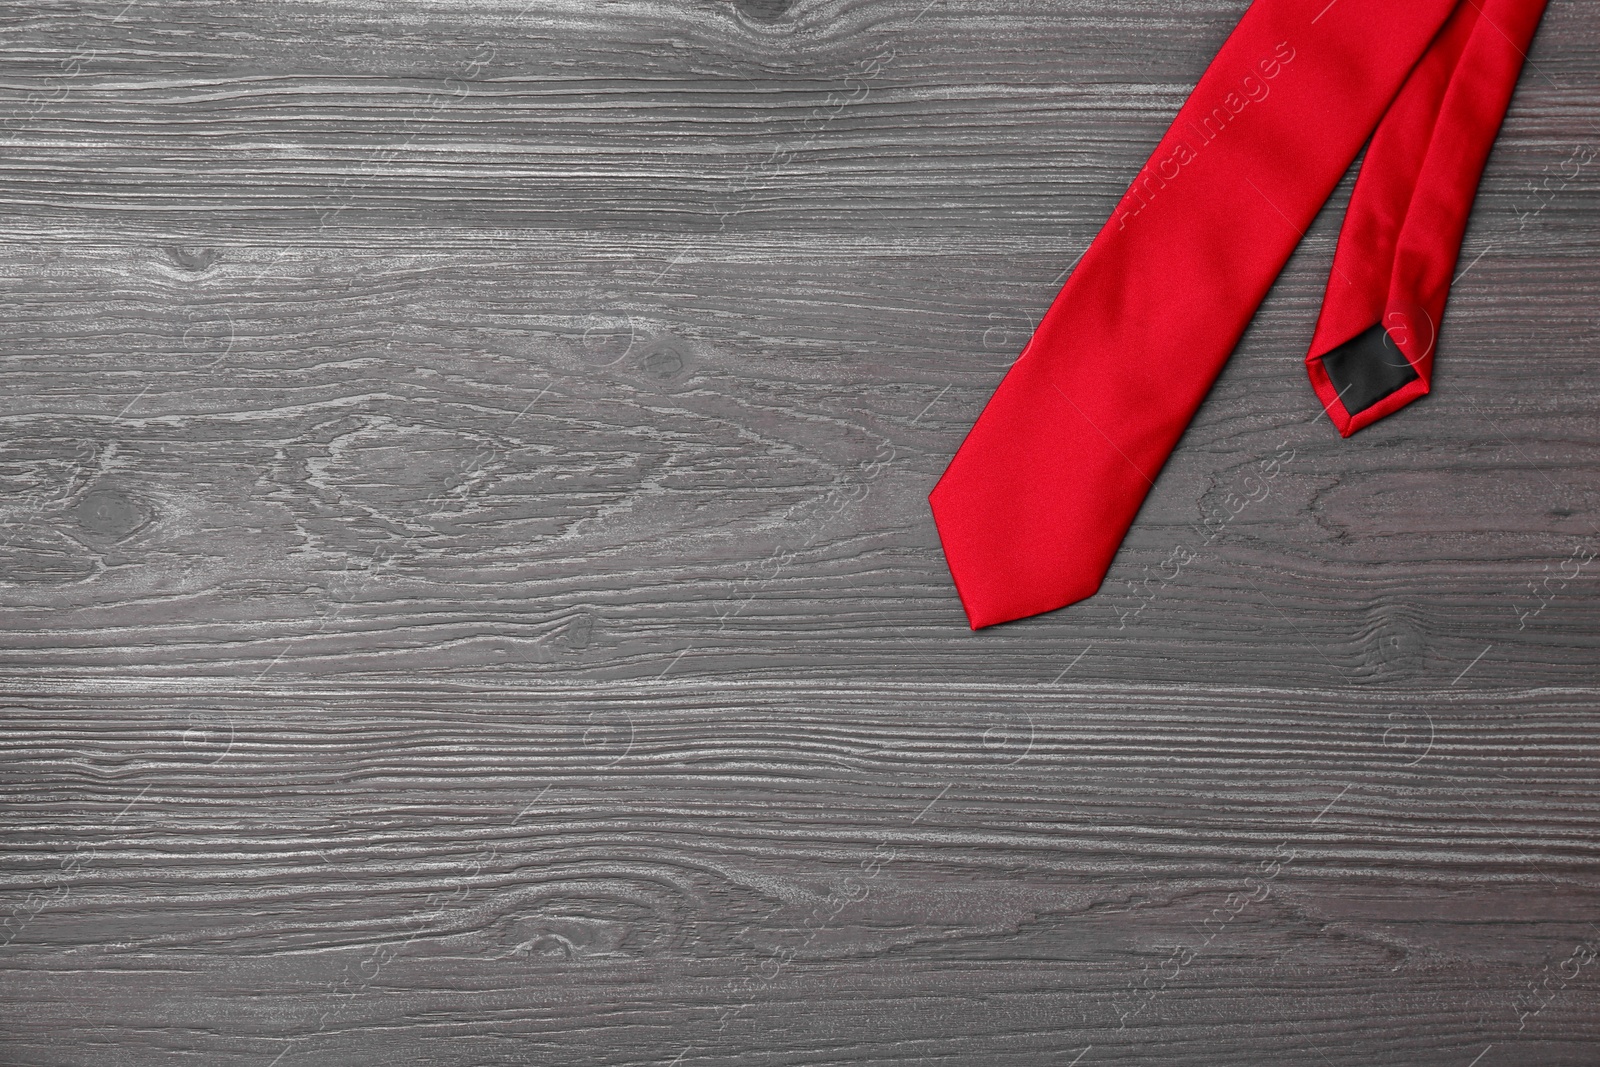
[{"x": 1375, "y": 373}]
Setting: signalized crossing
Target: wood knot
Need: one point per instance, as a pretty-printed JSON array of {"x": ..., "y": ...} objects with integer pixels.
[
  {"x": 665, "y": 361},
  {"x": 109, "y": 515},
  {"x": 763, "y": 10},
  {"x": 574, "y": 634},
  {"x": 193, "y": 260},
  {"x": 1393, "y": 645}
]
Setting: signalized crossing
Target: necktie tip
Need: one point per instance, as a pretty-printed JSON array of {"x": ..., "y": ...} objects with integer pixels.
[{"x": 1008, "y": 570}]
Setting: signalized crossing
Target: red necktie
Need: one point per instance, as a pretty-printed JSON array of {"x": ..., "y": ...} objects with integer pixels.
[{"x": 1043, "y": 490}]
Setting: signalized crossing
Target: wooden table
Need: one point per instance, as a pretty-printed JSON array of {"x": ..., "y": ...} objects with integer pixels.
[{"x": 469, "y": 596}]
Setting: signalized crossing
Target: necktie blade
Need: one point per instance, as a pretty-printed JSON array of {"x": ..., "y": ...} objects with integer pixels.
[{"x": 1038, "y": 498}]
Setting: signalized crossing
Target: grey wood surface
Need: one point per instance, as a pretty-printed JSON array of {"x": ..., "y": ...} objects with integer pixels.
[{"x": 469, "y": 596}]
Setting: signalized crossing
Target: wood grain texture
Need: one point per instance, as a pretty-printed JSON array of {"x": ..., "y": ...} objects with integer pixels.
[
  {"x": 895, "y": 873},
  {"x": 469, "y": 596}
]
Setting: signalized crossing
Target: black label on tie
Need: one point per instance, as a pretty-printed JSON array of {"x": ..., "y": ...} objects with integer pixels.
[{"x": 1367, "y": 368}]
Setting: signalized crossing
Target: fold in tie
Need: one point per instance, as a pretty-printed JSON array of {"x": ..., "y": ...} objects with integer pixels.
[{"x": 1038, "y": 498}]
